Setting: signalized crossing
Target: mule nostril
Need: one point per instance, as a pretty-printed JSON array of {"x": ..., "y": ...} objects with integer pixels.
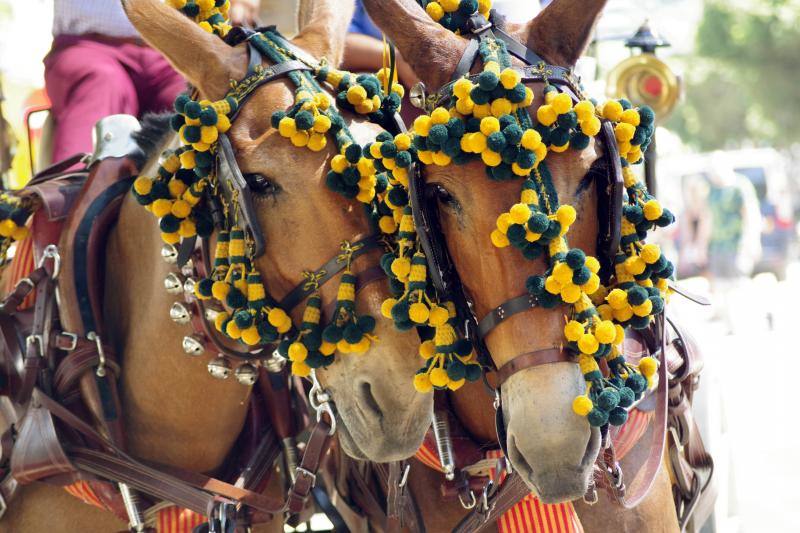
[{"x": 365, "y": 389}]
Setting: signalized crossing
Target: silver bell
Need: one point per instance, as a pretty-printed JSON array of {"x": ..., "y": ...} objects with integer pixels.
[
  {"x": 173, "y": 283},
  {"x": 417, "y": 95},
  {"x": 219, "y": 368},
  {"x": 188, "y": 286},
  {"x": 188, "y": 268},
  {"x": 179, "y": 314},
  {"x": 211, "y": 314},
  {"x": 193, "y": 345},
  {"x": 275, "y": 363},
  {"x": 246, "y": 374},
  {"x": 169, "y": 254}
]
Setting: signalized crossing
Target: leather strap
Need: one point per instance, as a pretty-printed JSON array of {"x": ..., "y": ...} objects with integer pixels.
[
  {"x": 532, "y": 359},
  {"x": 504, "y": 498},
  {"x": 306, "y": 473},
  {"x": 505, "y": 311}
]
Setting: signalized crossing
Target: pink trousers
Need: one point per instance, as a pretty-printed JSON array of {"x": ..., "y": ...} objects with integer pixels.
[{"x": 90, "y": 77}]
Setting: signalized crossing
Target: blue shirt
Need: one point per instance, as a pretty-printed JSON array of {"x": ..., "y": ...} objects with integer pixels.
[{"x": 361, "y": 23}]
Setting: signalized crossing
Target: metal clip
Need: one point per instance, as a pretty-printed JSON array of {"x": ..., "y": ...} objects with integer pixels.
[
  {"x": 404, "y": 477},
  {"x": 471, "y": 503},
  {"x": 320, "y": 400},
  {"x": 51, "y": 252},
  {"x": 101, "y": 366}
]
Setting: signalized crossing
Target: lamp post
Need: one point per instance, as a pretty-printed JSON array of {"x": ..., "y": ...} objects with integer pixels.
[{"x": 648, "y": 42}]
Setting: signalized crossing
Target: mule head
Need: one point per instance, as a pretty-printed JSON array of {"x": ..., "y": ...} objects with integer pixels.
[
  {"x": 304, "y": 223},
  {"x": 549, "y": 445}
]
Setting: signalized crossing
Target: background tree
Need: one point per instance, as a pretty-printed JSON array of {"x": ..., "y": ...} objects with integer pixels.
[{"x": 742, "y": 82}]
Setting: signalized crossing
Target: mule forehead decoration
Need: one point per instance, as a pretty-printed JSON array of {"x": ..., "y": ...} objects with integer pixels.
[{"x": 486, "y": 117}]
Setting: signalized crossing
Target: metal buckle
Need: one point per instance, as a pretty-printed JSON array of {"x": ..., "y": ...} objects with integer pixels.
[
  {"x": 35, "y": 339},
  {"x": 306, "y": 472},
  {"x": 73, "y": 338}
]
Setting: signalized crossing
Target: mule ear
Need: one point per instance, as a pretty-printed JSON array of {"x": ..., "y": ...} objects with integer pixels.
[
  {"x": 323, "y": 28},
  {"x": 562, "y": 31},
  {"x": 432, "y": 50},
  {"x": 201, "y": 57}
]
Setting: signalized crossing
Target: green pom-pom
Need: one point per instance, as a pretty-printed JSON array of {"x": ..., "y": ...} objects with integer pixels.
[
  {"x": 516, "y": 233},
  {"x": 236, "y": 298},
  {"x": 617, "y": 416},
  {"x": 488, "y": 80},
  {"x": 608, "y": 399},
  {"x": 332, "y": 334},
  {"x": 473, "y": 372},
  {"x": 192, "y": 109},
  {"x": 462, "y": 347},
  {"x": 192, "y": 133},
  {"x": 646, "y": 115},
  {"x": 180, "y": 103},
  {"x": 456, "y": 370},
  {"x": 304, "y": 120},
  {"x": 243, "y": 319},
  {"x": 626, "y": 397},
  {"x": 204, "y": 287},
  {"x": 208, "y": 116},
  {"x": 400, "y": 312},
  {"x": 169, "y": 223},
  {"x": 538, "y": 223},
  {"x": 352, "y": 334},
  {"x": 479, "y": 96},
  {"x": 496, "y": 141},
  {"x": 535, "y": 285},
  {"x": 637, "y": 295},
  {"x": 637, "y": 383},
  {"x": 581, "y": 276},
  {"x": 366, "y": 323},
  {"x": 438, "y": 134},
  {"x": 576, "y": 258},
  {"x": 597, "y": 418},
  {"x": 388, "y": 149},
  {"x": 353, "y": 153},
  {"x": 579, "y": 141}
]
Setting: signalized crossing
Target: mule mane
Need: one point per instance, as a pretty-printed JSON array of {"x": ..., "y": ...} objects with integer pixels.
[{"x": 154, "y": 132}]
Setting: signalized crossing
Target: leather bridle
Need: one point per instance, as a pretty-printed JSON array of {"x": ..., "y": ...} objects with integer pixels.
[{"x": 423, "y": 199}]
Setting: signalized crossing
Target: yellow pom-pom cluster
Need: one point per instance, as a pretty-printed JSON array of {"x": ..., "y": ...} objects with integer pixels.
[
  {"x": 14, "y": 214},
  {"x": 307, "y": 123},
  {"x": 211, "y": 15}
]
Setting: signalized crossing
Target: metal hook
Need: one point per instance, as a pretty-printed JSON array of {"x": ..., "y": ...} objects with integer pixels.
[
  {"x": 320, "y": 400},
  {"x": 101, "y": 354}
]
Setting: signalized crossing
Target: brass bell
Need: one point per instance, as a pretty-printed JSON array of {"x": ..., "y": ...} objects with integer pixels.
[
  {"x": 275, "y": 363},
  {"x": 188, "y": 286},
  {"x": 246, "y": 374},
  {"x": 179, "y": 314},
  {"x": 417, "y": 95},
  {"x": 193, "y": 345},
  {"x": 169, "y": 254},
  {"x": 219, "y": 368},
  {"x": 173, "y": 283}
]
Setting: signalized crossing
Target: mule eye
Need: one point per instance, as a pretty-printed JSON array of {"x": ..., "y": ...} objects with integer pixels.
[
  {"x": 445, "y": 197},
  {"x": 261, "y": 184}
]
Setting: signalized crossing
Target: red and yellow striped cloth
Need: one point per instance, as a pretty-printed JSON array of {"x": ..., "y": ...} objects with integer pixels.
[
  {"x": 530, "y": 515},
  {"x": 22, "y": 265}
]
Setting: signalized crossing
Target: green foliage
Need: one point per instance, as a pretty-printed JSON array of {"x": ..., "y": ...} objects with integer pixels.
[{"x": 742, "y": 85}]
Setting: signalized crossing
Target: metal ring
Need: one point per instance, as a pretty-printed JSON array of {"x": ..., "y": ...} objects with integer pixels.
[{"x": 51, "y": 252}]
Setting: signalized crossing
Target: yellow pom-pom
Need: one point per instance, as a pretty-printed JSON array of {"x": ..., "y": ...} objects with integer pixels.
[
  {"x": 327, "y": 348},
  {"x": 441, "y": 159},
  {"x": 491, "y": 158},
  {"x": 644, "y": 309},
  {"x": 648, "y": 366},
  {"x": 510, "y": 78},
  {"x": 462, "y": 88},
  {"x": 531, "y": 139},
  {"x": 584, "y": 110},
  {"x": 287, "y": 127},
  {"x": 617, "y": 299},
  {"x": 301, "y": 369},
  {"x": 624, "y": 132},
  {"x": 427, "y": 349},
  {"x": 19, "y": 233},
  {"x": 591, "y": 286},
  {"x": 422, "y": 124},
  {"x": 635, "y": 265},
  {"x": 546, "y": 115},
  {"x": 588, "y": 344},
  {"x": 356, "y": 94},
  {"x": 561, "y": 103},
  {"x": 438, "y": 316},
  {"x": 563, "y": 273},
  {"x": 418, "y": 312},
  {"x": 519, "y": 213},
  {"x": 449, "y": 5},
  {"x": 223, "y": 123},
  {"x": 529, "y": 196},
  {"x": 652, "y": 210},
  {"x": 402, "y": 141},
  {"x": 143, "y": 185},
  {"x": 401, "y": 267},
  {"x": 592, "y": 264},
  {"x": 573, "y": 331},
  {"x": 606, "y": 313},
  {"x": 161, "y": 207},
  {"x": 570, "y": 293},
  {"x": 386, "y": 307},
  {"x": 605, "y": 332},
  {"x": 528, "y": 98},
  {"x": 439, "y": 377},
  {"x": 297, "y": 352},
  {"x": 552, "y": 285},
  {"x": 339, "y": 163},
  {"x": 482, "y": 110},
  {"x": 612, "y": 110},
  {"x": 582, "y": 405},
  {"x": 387, "y": 225},
  {"x": 650, "y": 253},
  {"x": 187, "y": 229},
  {"x": 278, "y": 317},
  {"x": 440, "y": 115},
  {"x": 489, "y": 125},
  {"x": 232, "y": 329},
  {"x": 250, "y": 336},
  {"x": 181, "y": 208},
  {"x": 619, "y": 335},
  {"x": 171, "y": 238},
  {"x": 465, "y": 105},
  {"x": 499, "y": 239},
  {"x": 501, "y": 106},
  {"x": 623, "y": 315},
  {"x": 566, "y": 215},
  {"x": 321, "y": 123},
  {"x": 421, "y": 381},
  {"x": 300, "y": 139},
  {"x": 630, "y": 116},
  {"x": 476, "y": 142},
  {"x": 208, "y": 134},
  {"x": 317, "y": 142},
  {"x": 434, "y": 10}
]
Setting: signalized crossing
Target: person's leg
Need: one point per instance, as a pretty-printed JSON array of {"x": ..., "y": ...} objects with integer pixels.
[
  {"x": 157, "y": 82},
  {"x": 85, "y": 83}
]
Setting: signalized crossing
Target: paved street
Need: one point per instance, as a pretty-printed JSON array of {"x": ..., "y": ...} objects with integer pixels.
[{"x": 752, "y": 401}]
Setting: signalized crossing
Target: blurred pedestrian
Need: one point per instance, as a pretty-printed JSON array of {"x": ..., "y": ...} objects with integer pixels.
[{"x": 99, "y": 66}]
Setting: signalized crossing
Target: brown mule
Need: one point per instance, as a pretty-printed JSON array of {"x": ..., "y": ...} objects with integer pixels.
[{"x": 175, "y": 413}]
